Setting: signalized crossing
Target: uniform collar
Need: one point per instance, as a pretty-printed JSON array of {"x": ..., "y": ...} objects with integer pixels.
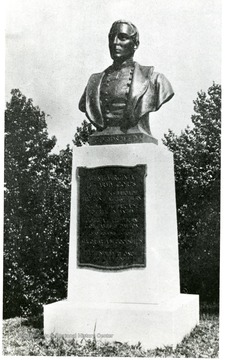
[{"x": 129, "y": 62}]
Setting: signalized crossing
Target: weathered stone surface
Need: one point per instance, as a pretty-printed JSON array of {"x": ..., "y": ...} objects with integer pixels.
[{"x": 111, "y": 233}]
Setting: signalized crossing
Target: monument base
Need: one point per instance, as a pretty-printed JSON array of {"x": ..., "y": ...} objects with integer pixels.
[
  {"x": 153, "y": 325},
  {"x": 111, "y": 298},
  {"x": 114, "y": 135}
]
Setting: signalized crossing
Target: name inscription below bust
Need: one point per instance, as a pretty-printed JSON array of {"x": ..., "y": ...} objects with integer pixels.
[
  {"x": 114, "y": 135},
  {"x": 111, "y": 225}
]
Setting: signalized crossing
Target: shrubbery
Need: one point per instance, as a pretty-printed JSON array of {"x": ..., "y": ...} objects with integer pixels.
[{"x": 36, "y": 216}]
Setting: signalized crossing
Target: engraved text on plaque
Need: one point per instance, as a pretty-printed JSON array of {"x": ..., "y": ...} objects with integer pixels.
[{"x": 111, "y": 224}]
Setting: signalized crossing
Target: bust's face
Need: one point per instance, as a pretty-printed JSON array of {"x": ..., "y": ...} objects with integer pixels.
[{"x": 121, "y": 44}]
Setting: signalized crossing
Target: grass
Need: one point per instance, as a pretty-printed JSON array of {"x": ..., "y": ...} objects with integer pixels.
[{"x": 25, "y": 337}]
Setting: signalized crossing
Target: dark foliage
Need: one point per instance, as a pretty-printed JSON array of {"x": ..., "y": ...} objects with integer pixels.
[
  {"x": 36, "y": 214},
  {"x": 81, "y": 137},
  {"x": 197, "y": 171}
]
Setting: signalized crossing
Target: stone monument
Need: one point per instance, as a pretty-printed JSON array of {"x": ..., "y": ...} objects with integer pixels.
[{"x": 123, "y": 258}]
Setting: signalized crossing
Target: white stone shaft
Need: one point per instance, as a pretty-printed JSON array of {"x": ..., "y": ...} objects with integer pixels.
[{"x": 159, "y": 280}]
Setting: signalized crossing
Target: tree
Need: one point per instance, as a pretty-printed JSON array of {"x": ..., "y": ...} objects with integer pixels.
[
  {"x": 36, "y": 216},
  {"x": 197, "y": 173},
  {"x": 81, "y": 137}
]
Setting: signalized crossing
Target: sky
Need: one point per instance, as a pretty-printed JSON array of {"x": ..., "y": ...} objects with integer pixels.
[{"x": 53, "y": 46}]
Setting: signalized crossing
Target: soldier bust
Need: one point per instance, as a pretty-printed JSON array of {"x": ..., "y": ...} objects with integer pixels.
[{"x": 118, "y": 100}]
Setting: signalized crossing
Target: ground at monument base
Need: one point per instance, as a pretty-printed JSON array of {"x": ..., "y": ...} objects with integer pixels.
[{"x": 153, "y": 325}]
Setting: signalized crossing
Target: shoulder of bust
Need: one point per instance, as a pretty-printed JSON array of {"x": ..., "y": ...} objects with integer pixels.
[
  {"x": 96, "y": 75},
  {"x": 102, "y": 72},
  {"x": 158, "y": 77},
  {"x": 146, "y": 70},
  {"x": 95, "y": 78}
]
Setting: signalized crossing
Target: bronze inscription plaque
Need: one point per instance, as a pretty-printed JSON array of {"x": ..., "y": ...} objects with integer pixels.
[{"x": 111, "y": 223}]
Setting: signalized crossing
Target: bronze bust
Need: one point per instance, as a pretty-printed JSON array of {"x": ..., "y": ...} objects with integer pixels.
[{"x": 118, "y": 100}]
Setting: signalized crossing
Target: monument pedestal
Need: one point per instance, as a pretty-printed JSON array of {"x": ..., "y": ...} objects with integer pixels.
[
  {"x": 154, "y": 325},
  {"x": 123, "y": 260}
]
